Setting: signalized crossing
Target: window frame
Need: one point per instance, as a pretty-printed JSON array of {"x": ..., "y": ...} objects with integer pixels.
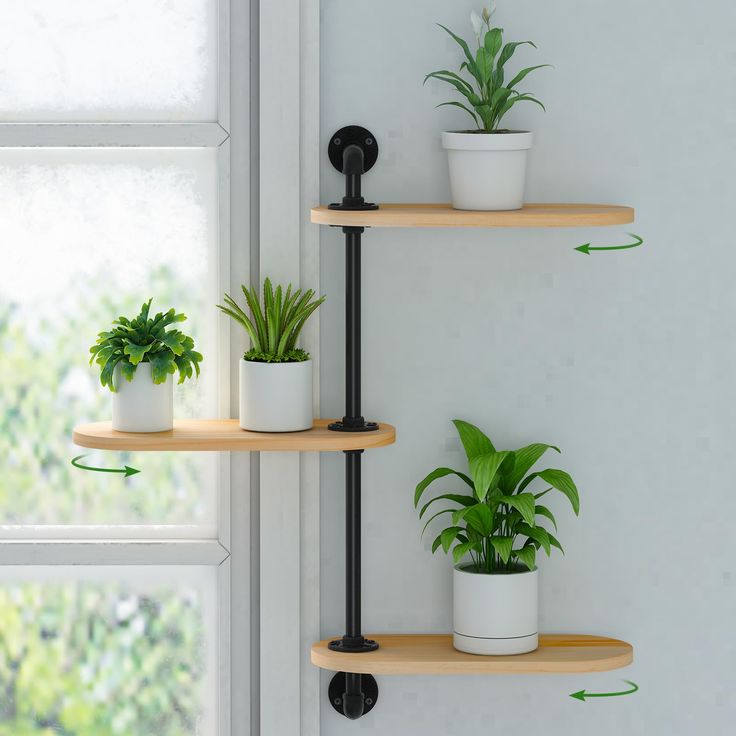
[{"x": 233, "y": 574}]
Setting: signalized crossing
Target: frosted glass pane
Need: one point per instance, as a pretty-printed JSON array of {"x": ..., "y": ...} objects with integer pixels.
[
  {"x": 87, "y": 235},
  {"x": 106, "y": 60},
  {"x": 110, "y": 652}
]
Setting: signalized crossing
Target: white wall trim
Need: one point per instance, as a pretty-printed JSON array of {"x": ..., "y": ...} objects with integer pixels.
[{"x": 289, "y": 251}]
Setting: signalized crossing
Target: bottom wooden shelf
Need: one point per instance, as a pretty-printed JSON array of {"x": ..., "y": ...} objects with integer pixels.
[{"x": 433, "y": 654}]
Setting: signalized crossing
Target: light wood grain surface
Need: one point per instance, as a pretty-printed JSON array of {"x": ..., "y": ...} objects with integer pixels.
[
  {"x": 433, "y": 654},
  {"x": 443, "y": 215},
  {"x": 225, "y": 434}
]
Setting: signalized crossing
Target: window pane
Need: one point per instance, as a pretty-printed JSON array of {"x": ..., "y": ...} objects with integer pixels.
[
  {"x": 121, "y": 650},
  {"x": 108, "y": 60},
  {"x": 89, "y": 234}
]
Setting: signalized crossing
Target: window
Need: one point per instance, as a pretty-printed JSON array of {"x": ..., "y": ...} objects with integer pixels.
[{"x": 114, "y": 188}]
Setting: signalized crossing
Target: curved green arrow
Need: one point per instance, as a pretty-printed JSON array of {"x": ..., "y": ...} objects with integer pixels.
[
  {"x": 127, "y": 470},
  {"x": 582, "y": 695},
  {"x": 587, "y": 247}
]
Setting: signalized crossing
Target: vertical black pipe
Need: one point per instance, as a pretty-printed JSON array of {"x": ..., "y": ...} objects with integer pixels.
[
  {"x": 352, "y": 322},
  {"x": 352, "y": 545}
]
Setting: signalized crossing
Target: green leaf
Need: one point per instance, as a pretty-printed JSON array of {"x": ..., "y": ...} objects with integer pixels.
[
  {"x": 451, "y": 78},
  {"x": 433, "y": 476},
  {"x": 484, "y": 64},
  {"x": 524, "y": 504},
  {"x": 436, "y": 544},
  {"x": 523, "y": 74},
  {"x": 162, "y": 365},
  {"x": 520, "y": 98},
  {"x": 493, "y": 41},
  {"x": 528, "y": 555},
  {"x": 127, "y": 370},
  {"x": 458, "y": 515},
  {"x": 474, "y": 441},
  {"x": 540, "y": 510},
  {"x": 555, "y": 542},
  {"x": 503, "y": 546},
  {"x": 508, "y": 51},
  {"x": 480, "y": 518},
  {"x": 537, "y": 533},
  {"x": 526, "y": 457},
  {"x": 486, "y": 114},
  {"x": 460, "y": 550},
  {"x": 483, "y": 468},
  {"x": 135, "y": 352},
  {"x": 448, "y": 536},
  {"x": 500, "y": 96},
  {"x": 460, "y": 105},
  {"x": 434, "y": 516},
  {"x": 455, "y": 497},
  {"x": 562, "y": 481},
  {"x": 173, "y": 341},
  {"x": 463, "y": 45}
]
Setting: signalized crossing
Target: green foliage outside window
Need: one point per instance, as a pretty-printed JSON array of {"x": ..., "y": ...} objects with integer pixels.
[
  {"x": 92, "y": 659},
  {"x": 69, "y": 664}
]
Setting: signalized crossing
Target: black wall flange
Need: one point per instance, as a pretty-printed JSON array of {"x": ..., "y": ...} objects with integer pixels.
[
  {"x": 353, "y": 695},
  {"x": 353, "y": 150}
]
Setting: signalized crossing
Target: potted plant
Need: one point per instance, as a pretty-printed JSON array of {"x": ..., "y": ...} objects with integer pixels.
[
  {"x": 494, "y": 536},
  {"x": 488, "y": 164},
  {"x": 275, "y": 375},
  {"x": 136, "y": 359}
]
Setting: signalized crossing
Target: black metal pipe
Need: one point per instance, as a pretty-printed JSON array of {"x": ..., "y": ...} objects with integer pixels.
[
  {"x": 352, "y": 545},
  {"x": 352, "y": 324},
  {"x": 352, "y": 186},
  {"x": 353, "y": 699}
]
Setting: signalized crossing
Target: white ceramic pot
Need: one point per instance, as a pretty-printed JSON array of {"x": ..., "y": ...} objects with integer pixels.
[
  {"x": 141, "y": 405},
  {"x": 276, "y": 397},
  {"x": 495, "y": 614},
  {"x": 487, "y": 170}
]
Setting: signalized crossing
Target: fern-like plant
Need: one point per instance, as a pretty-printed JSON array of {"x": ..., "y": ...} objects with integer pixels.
[
  {"x": 497, "y": 523},
  {"x": 145, "y": 339},
  {"x": 489, "y": 96},
  {"x": 275, "y": 322}
]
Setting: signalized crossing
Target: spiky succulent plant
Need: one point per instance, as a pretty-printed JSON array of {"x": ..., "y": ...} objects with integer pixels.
[{"x": 275, "y": 322}]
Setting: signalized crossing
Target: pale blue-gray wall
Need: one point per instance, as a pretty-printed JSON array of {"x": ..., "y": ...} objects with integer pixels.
[{"x": 625, "y": 360}]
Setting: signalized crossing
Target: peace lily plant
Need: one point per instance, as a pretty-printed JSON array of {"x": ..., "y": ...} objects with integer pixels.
[
  {"x": 495, "y": 533},
  {"x": 487, "y": 164},
  {"x": 136, "y": 358},
  {"x": 275, "y": 374}
]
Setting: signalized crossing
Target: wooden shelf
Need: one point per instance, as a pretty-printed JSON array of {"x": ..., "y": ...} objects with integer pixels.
[
  {"x": 433, "y": 654},
  {"x": 225, "y": 434},
  {"x": 443, "y": 215}
]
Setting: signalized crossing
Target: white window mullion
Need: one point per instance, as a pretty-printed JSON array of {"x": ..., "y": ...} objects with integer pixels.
[
  {"x": 112, "y": 552},
  {"x": 93, "y": 135}
]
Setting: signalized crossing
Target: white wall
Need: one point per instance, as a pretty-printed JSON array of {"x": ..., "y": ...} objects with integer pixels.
[{"x": 624, "y": 359}]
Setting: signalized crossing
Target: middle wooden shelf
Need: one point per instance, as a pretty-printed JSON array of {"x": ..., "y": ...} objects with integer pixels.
[{"x": 225, "y": 434}]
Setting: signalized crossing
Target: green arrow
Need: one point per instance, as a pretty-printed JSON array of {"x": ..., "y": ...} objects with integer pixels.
[
  {"x": 587, "y": 247},
  {"x": 127, "y": 470},
  {"x": 581, "y": 694}
]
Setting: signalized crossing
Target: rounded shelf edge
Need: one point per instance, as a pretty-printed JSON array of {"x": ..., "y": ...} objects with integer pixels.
[
  {"x": 433, "y": 654},
  {"x": 444, "y": 215},
  {"x": 192, "y": 435}
]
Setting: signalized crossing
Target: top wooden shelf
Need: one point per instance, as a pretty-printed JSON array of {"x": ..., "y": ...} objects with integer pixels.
[
  {"x": 226, "y": 434},
  {"x": 443, "y": 215},
  {"x": 433, "y": 654}
]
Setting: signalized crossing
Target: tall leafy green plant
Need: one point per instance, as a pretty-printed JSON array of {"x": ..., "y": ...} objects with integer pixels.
[
  {"x": 145, "y": 339},
  {"x": 275, "y": 322},
  {"x": 489, "y": 96},
  {"x": 497, "y": 524}
]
